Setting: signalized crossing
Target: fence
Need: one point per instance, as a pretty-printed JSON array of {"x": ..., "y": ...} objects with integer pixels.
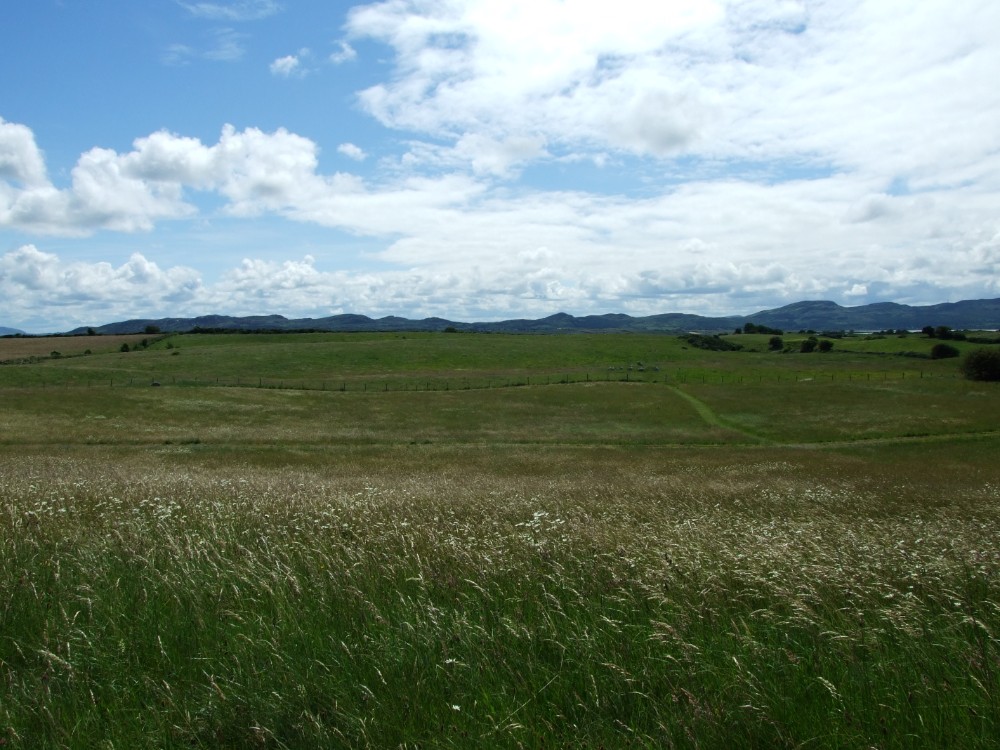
[{"x": 405, "y": 383}]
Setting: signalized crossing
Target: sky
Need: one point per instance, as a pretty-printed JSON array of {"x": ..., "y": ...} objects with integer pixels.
[{"x": 480, "y": 160}]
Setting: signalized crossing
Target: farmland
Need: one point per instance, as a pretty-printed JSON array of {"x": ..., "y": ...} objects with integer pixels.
[{"x": 458, "y": 540}]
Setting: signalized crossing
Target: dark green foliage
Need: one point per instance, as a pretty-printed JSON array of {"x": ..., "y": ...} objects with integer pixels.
[
  {"x": 776, "y": 344},
  {"x": 982, "y": 364},
  {"x": 943, "y": 351},
  {"x": 825, "y": 345},
  {"x": 124, "y": 348},
  {"x": 808, "y": 345},
  {"x": 754, "y": 328},
  {"x": 712, "y": 343}
]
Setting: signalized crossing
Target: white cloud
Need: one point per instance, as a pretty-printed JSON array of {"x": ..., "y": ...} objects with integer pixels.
[
  {"x": 884, "y": 88},
  {"x": 285, "y": 66},
  {"x": 344, "y": 53},
  {"x": 255, "y": 171},
  {"x": 20, "y": 158},
  {"x": 352, "y": 152},
  {"x": 32, "y": 280},
  {"x": 241, "y": 10},
  {"x": 227, "y": 46},
  {"x": 578, "y": 273},
  {"x": 755, "y": 153},
  {"x": 178, "y": 54}
]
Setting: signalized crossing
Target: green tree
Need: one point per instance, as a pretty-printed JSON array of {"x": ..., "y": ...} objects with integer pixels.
[
  {"x": 982, "y": 364},
  {"x": 943, "y": 351},
  {"x": 808, "y": 345},
  {"x": 776, "y": 343},
  {"x": 825, "y": 345}
]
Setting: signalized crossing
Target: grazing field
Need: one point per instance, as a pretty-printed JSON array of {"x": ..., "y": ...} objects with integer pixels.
[
  {"x": 17, "y": 349},
  {"x": 539, "y": 547}
]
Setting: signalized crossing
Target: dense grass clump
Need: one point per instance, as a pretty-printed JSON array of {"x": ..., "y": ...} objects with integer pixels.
[{"x": 451, "y": 598}]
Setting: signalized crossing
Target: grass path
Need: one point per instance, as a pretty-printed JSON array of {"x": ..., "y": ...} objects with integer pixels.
[{"x": 712, "y": 419}]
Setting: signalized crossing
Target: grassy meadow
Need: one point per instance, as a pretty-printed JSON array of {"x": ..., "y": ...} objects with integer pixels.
[{"x": 487, "y": 541}]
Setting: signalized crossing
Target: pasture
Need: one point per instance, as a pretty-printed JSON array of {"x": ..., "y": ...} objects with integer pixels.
[{"x": 453, "y": 540}]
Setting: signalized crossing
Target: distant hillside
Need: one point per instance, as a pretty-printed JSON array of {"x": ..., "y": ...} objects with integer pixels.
[
  {"x": 816, "y": 315},
  {"x": 9, "y": 331},
  {"x": 971, "y": 314}
]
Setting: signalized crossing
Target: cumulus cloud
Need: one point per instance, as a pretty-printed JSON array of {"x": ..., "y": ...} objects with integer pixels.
[
  {"x": 255, "y": 171},
  {"x": 352, "y": 152},
  {"x": 32, "y": 280},
  {"x": 344, "y": 53},
  {"x": 20, "y": 159},
  {"x": 285, "y": 66},
  {"x": 860, "y": 86},
  {"x": 533, "y": 282},
  {"x": 754, "y": 153}
]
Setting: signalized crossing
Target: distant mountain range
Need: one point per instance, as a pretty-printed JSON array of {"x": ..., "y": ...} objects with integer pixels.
[
  {"x": 817, "y": 316},
  {"x": 9, "y": 331}
]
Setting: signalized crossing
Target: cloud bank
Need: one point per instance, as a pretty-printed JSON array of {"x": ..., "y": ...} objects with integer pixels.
[{"x": 701, "y": 156}]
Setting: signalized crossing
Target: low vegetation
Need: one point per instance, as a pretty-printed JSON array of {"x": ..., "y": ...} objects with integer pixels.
[
  {"x": 777, "y": 557},
  {"x": 982, "y": 364}
]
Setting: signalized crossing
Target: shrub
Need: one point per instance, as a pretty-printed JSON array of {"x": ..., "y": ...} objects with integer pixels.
[
  {"x": 124, "y": 348},
  {"x": 982, "y": 364},
  {"x": 808, "y": 345},
  {"x": 711, "y": 343},
  {"x": 825, "y": 345},
  {"x": 943, "y": 351},
  {"x": 776, "y": 344}
]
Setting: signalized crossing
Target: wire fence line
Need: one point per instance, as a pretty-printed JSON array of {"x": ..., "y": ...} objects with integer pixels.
[{"x": 485, "y": 382}]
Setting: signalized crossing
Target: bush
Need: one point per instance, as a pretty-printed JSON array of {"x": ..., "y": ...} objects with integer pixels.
[
  {"x": 825, "y": 345},
  {"x": 711, "y": 343},
  {"x": 982, "y": 364},
  {"x": 943, "y": 351},
  {"x": 808, "y": 345},
  {"x": 776, "y": 344}
]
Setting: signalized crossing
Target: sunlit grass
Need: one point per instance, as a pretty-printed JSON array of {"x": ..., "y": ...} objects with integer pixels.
[
  {"x": 788, "y": 557},
  {"x": 654, "y": 599}
]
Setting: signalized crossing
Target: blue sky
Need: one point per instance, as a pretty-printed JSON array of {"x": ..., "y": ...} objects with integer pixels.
[{"x": 478, "y": 160}]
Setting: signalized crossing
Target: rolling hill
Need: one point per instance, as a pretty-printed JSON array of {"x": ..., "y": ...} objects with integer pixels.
[{"x": 808, "y": 315}]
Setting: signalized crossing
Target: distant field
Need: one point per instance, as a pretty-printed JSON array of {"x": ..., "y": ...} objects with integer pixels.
[
  {"x": 437, "y": 360},
  {"x": 13, "y": 348},
  {"x": 466, "y": 541}
]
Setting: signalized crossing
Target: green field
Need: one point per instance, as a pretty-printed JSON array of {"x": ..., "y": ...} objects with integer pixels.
[{"x": 493, "y": 541}]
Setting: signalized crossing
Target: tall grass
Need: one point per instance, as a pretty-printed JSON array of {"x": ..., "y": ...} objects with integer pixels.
[{"x": 498, "y": 597}]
